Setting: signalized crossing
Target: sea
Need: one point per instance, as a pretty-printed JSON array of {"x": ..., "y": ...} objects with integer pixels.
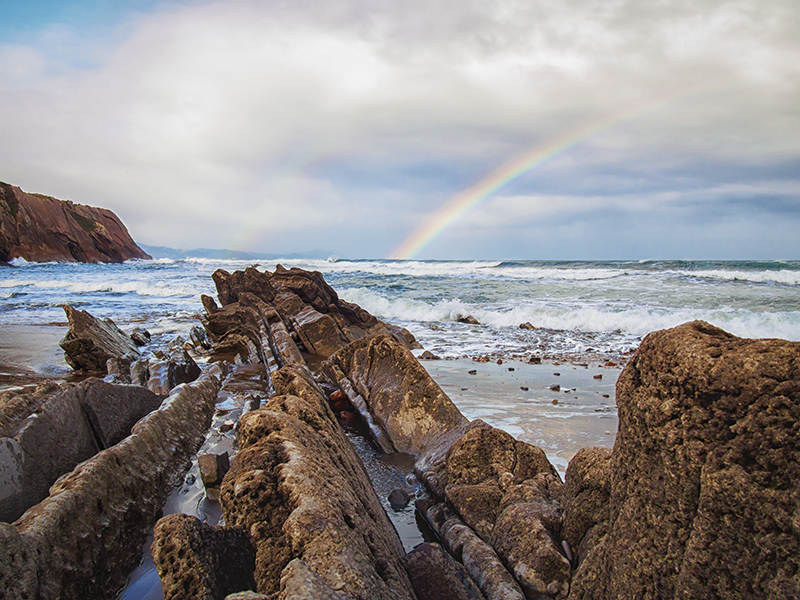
[{"x": 568, "y": 308}]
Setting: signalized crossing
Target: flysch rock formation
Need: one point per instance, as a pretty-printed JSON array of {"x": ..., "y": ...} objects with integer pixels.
[
  {"x": 699, "y": 497},
  {"x": 85, "y": 537},
  {"x": 41, "y": 228},
  {"x": 661, "y": 503}
]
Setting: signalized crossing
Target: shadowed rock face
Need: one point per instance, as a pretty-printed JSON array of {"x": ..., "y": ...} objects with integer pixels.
[
  {"x": 704, "y": 493},
  {"x": 41, "y": 228}
]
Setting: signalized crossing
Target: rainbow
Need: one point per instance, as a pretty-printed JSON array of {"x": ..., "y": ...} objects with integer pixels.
[{"x": 468, "y": 199}]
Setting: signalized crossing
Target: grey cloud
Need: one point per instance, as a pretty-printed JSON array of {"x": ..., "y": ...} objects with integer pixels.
[{"x": 263, "y": 122}]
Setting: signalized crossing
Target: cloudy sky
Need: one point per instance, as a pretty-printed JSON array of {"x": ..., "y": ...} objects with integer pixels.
[{"x": 666, "y": 129}]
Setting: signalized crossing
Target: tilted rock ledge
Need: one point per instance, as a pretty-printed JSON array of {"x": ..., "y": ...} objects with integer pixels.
[
  {"x": 699, "y": 498},
  {"x": 42, "y": 228}
]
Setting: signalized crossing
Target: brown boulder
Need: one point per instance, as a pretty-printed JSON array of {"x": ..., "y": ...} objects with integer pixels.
[
  {"x": 705, "y": 470},
  {"x": 198, "y": 561},
  {"x": 90, "y": 342}
]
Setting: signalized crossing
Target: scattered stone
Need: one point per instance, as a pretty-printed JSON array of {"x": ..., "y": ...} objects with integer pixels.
[
  {"x": 555, "y": 388},
  {"x": 610, "y": 364},
  {"x": 499, "y": 361},
  {"x": 428, "y": 355},
  {"x": 140, "y": 337},
  {"x": 90, "y": 342},
  {"x": 469, "y": 320},
  {"x": 473, "y": 372},
  {"x": 555, "y": 400},
  {"x": 535, "y": 360},
  {"x": 399, "y": 499},
  {"x": 526, "y": 325},
  {"x": 510, "y": 368},
  {"x": 557, "y": 374},
  {"x": 598, "y": 376},
  {"x": 524, "y": 388}
]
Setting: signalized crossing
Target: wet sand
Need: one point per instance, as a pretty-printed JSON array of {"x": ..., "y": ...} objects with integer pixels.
[
  {"x": 30, "y": 353},
  {"x": 581, "y": 413}
]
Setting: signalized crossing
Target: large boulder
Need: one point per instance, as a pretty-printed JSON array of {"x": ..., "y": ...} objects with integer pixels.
[
  {"x": 90, "y": 341},
  {"x": 705, "y": 475}
]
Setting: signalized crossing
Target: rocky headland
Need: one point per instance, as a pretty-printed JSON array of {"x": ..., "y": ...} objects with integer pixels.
[
  {"x": 41, "y": 228},
  {"x": 699, "y": 498}
]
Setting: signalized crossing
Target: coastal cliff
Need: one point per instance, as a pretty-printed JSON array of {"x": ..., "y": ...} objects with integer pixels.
[{"x": 41, "y": 228}]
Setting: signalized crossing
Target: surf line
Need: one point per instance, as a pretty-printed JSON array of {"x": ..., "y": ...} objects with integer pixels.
[{"x": 464, "y": 201}]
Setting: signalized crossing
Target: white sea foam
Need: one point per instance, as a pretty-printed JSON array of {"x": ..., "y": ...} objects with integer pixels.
[
  {"x": 785, "y": 276},
  {"x": 583, "y": 316}
]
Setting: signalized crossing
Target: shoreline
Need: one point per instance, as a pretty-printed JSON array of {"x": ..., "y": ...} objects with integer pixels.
[
  {"x": 582, "y": 412},
  {"x": 30, "y": 354}
]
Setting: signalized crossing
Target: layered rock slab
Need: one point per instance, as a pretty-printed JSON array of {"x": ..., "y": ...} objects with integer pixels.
[
  {"x": 300, "y": 494},
  {"x": 86, "y": 536},
  {"x": 704, "y": 494},
  {"x": 63, "y": 430},
  {"x": 300, "y": 490}
]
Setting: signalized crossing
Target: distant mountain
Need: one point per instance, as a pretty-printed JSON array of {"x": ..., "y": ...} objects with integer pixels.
[
  {"x": 218, "y": 254},
  {"x": 42, "y": 228}
]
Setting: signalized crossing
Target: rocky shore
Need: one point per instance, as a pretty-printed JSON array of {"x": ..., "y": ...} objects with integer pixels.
[{"x": 698, "y": 498}]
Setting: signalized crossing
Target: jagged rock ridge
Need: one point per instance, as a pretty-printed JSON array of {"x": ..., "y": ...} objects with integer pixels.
[{"x": 41, "y": 228}]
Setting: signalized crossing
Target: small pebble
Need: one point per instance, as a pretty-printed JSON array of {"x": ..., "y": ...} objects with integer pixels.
[
  {"x": 510, "y": 368},
  {"x": 523, "y": 388},
  {"x": 557, "y": 374},
  {"x": 473, "y": 372},
  {"x": 555, "y": 400},
  {"x": 598, "y": 376},
  {"x": 555, "y": 388}
]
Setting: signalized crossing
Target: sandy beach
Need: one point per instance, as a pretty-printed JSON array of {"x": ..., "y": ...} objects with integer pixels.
[
  {"x": 30, "y": 353},
  {"x": 581, "y": 412}
]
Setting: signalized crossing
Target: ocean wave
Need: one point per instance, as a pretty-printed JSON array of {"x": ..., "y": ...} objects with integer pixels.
[
  {"x": 784, "y": 276},
  {"x": 634, "y": 321},
  {"x": 86, "y": 287}
]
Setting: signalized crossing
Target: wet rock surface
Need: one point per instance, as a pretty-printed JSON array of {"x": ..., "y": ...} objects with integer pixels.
[{"x": 84, "y": 538}]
